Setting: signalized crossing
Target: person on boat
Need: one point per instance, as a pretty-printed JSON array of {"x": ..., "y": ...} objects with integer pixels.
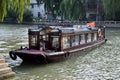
[
  {"x": 99, "y": 33},
  {"x": 42, "y": 45}
]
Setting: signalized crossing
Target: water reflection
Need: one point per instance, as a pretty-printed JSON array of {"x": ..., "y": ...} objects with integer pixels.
[{"x": 101, "y": 63}]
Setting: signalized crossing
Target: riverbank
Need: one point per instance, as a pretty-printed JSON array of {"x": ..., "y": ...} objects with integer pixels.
[
  {"x": 22, "y": 23},
  {"x": 108, "y": 24}
]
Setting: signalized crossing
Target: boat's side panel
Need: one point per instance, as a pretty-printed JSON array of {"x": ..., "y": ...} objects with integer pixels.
[
  {"x": 71, "y": 53},
  {"x": 56, "y": 58}
]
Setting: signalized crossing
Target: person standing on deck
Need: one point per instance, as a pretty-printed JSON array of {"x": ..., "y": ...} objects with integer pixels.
[{"x": 42, "y": 45}]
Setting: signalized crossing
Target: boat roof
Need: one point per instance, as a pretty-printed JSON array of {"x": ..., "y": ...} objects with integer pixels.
[
  {"x": 74, "y": 28},
  {"x": 65, "y": 29}
]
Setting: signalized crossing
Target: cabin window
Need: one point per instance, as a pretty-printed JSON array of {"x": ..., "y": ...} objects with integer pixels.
[
  {"x": 95, "y": 37},
  {"x": 42, "y": 32},
  {"x": 89, "y": 37},
  {"x": 44, "y": 37},
  {"x": 66, "y": 42},
  {"x": 79, "y": 38},
  {"x": 82, "y": 39},
  {"x": 75, "y": 40},
  {"x": 55, "y": 41},
  {"x": 33, "y": 40},
  {"x": 92, "y": 36}
]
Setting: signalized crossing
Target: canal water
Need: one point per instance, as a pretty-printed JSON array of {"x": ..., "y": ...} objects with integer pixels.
[{"x": 101, "y": 63}]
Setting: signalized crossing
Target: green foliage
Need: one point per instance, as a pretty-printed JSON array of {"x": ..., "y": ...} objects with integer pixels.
[
  {"x": 111, "y": 9},
  {"x": 11, "y": 15},
  {"x": 51, "y": 6},
  {"x": 2, "y": 9},
  {"x": 16, "y": 5},
  {"x": 28, "y": 16},
  {"x": 92, "y": 1},
  {"x": 69, "y": 9},
  {"x": 72, "y": 9}
]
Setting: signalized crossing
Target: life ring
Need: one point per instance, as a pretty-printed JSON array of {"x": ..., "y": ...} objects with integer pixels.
[
  {"x": 99, "y": 32},
  {"x": 13, "y": 55}
]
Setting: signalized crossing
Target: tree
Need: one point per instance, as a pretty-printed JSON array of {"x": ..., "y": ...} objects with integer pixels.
[
  {"x": 72, "y": 9},
  {"x": 51, "y": 6},
  {"x": 69, "y": 9},
  {"x": 28, "y": 15},
  {"x": 11, "y": 15},
  {"x": 111, "y": 9},
  {"x": 2, "y": 9},
  {"x": 17, "y": 5}
]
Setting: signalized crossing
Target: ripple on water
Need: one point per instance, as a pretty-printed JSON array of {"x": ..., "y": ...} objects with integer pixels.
[
  {"x": 1, "y": 49},
  {"x": 22, "y": 43},
  {"x": 2, "y": 42},
  {"x": 10, "y": 46}
]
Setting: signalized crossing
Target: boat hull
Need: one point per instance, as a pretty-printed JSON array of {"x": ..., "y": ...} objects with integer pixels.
[
  {"x": 42, "y": 57},
  {"x": 73, "y": 53}
]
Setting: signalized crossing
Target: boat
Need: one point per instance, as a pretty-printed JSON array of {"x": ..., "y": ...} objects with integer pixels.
[{"x": 55, "y": 43}]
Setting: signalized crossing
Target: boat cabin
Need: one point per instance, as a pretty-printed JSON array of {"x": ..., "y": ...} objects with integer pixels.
[{"x": 62, "y": 38}]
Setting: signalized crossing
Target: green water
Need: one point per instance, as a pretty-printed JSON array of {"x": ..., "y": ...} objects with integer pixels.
[{"x": 101, "y": 63}]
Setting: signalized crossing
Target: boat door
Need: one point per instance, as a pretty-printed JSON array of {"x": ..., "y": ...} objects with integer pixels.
[{"x": 33, "y": 39}]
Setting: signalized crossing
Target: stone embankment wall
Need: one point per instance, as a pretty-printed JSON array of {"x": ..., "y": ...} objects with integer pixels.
[
  {"x": 108, "y": 24},
  {"x": 5, "y": 71}
]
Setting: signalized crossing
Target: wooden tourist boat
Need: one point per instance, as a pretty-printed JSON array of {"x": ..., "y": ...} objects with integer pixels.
[{"x": 49, "y": 44}]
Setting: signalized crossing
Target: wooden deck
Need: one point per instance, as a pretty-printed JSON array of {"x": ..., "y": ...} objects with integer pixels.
[{"x": 5, "y": 71}]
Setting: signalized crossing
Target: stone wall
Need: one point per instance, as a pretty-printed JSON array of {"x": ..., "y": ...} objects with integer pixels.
[{"x": 5, "y": 71}]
